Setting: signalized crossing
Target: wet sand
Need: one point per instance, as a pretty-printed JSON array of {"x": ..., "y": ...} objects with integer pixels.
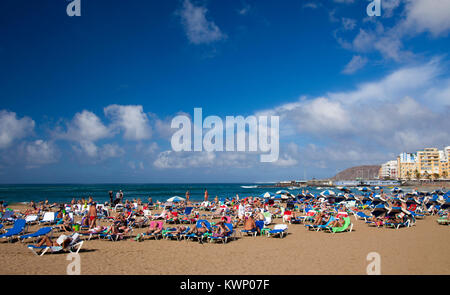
[{"x": 421, "y": 249}]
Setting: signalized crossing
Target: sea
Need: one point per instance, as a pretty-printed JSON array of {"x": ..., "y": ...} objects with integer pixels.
[{"x": 60, "y": 193}]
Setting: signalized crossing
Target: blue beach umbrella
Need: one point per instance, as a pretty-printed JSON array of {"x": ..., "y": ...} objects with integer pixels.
[
  {"x": 266, "y": 195},
  {"x": 379, "y": 210},
  {"x": 327, "y": 193}
]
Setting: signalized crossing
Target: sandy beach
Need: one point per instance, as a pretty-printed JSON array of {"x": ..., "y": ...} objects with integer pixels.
[{"x": 421, "y": 249}]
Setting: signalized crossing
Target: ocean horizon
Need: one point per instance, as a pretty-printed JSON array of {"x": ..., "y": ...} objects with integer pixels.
[{"x": 65, "y": 192}]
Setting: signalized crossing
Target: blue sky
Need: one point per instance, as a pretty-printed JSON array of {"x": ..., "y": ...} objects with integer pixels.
[{"x": 90, "y": 98}]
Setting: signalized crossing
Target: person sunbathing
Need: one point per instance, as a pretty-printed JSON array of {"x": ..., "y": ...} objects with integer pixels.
[
  {"x": 66, "y": 225},
  {"x": 199, "y": 230},
  {"x": 338, "y": 222},
  {"x": 62, "y": 241},
  {"x": 154, "y": 228},
  {"x": 179, "y": 230},
  {"x": 161, "y": 216},
  {"x": 116, "y": 229},
  {"x": 249, "y": 224},
  {"x": 96, "y": 230},
  {"x": 318, "y": 219},
  {"x": 221, "y": 230},
  {"x": 398, "y": 218}
]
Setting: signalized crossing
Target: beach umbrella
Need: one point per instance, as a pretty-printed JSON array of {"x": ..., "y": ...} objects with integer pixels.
[
  {"x": 377, "y": 188},
  {"x": 379, "y": 210},
  {"x": 350, "y": 197},
  {"x": 339, "y": 198},
  {"x": 267, "y": 195},
  {"x": 175, "y": 199},
  {"x": 378, "y": 200},
  {"x": 364, "y": 189},
  {"x": 344, "y": 189},
  {"x": 276, "y": 197},
  {"x": 327, "y": 193},
  {"x": 283, "y": 192},
  {"x": 396, "y": 190},
  {"x": 446, "y": 203}
]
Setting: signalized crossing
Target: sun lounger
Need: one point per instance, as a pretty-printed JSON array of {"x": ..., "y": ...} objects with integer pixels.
[
  {"x": 397, "y": 225},
  {"x": 194, "y": 236},
  {"x": 17, "y": 229},
  {"x": 362, "y": 215},
  {"x": 443, "y": 220},
  {"x": 320, "y": 226},
  {"x": 224, "y": 238},
  {"x": 31, "y": 219},
  {"x": 73, "y": 247},
  {"x": 48, "y": 218},
  {"x": 8, "y": 216},
  {"x": 253, "y": 232},
  {"x": 172, "y": 235},
  {"x": 348, "y": 226},
  {"x": 278, "y": 230},
  {"x": 39, "y": 233}
]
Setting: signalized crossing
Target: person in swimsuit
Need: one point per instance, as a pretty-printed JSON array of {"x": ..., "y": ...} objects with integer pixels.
[{"x": 92, "y": 215}]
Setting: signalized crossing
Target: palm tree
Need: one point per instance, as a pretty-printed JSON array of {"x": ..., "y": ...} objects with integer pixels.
[
  {"x": 417, "y": 174},
  {"x": 408, "y": 175},
  {"x": 435, "y": 176},
  {"x": 426, "y": 175}
]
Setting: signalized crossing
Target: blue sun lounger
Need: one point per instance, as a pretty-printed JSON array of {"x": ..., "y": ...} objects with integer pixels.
[
  {"x": 362, "y": 215},
  {"x": 17, "y": 229},
  {"x": 198, "y": 225},
  {"x": 319, "y": 227},
  {"x": 7, "y": 216},
  {"x": 171, "y": 235},
  {"x": 41, "y": 232},
  {"x": 253, "y": 232},
  {"x": 278, "y": 230},
  {"x": 225, "y": 237}
]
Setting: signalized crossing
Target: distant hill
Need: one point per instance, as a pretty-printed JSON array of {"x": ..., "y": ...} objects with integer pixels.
[{"x": 367, "y": 171}]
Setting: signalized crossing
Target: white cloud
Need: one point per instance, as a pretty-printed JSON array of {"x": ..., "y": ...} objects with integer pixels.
[
  {"x": 178, "y": 160},
  {"x": 312, "y": 5},
  {"x": 111, "y": 151},
  {"x": 96, "y": 153},
  {"x": 85, "y": 126},
  {"x": 41, "y": 152},
  {"x": 131, "y": 119},
  {"x": 348, "y": 23},
  {"x": 356, "y": 63},
  {"x": 418, "y": 16},
  {"x": 199, "y": 29},
  {"x": 244, "y": 10},
  {"x": 344, "y": 1},
  {"x": 388, "y": 7},
  {"x": 404, "y": 111},
  {"x": 13, "y": 128},
  {"x": 426, "y": 15}
]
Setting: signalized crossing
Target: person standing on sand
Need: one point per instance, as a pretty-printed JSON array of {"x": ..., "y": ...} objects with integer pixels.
[
  {"x": 92, "y": 214},
  {"x": 121, "y": 196},
  {"x": 111, "y": 197}
]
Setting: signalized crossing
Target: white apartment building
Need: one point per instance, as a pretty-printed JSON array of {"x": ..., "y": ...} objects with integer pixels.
[{"x": 389, "y": 170}]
